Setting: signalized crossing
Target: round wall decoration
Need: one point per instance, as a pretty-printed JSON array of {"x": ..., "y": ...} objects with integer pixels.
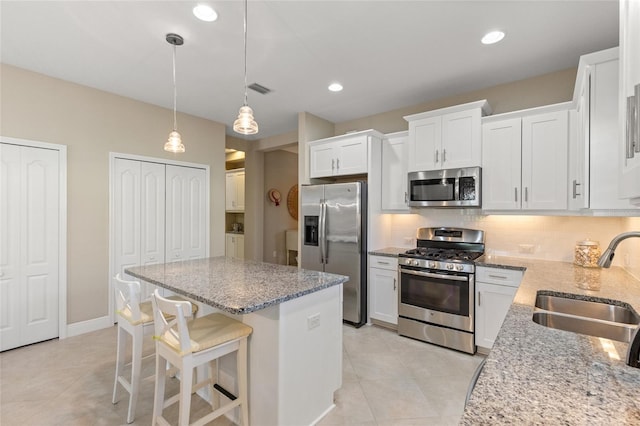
[
  {"x": 274, "y": 196},
  {"x": 292, "y": 202}
]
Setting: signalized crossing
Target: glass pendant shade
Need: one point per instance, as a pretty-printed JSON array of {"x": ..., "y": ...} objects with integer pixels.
[
  {"x": 245, "y": 124},
  {"x": 174, "y": 143}
]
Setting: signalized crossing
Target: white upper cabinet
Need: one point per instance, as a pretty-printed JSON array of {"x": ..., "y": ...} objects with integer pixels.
[
  {"x": 629, "y": 89},
  {"x": 501, "y": 164},
  {"x": 545, "y": 143},
  {"x": 394, "y": 172},
  {"x": 340, "y": 155},
  {"x": 446, "y": 138},
  {"x": 595, "y": 152},
  {"x": 524, "y": 162},
  {"x": 235, "y": 190}
]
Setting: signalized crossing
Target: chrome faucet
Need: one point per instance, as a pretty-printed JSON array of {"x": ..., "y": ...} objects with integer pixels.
[
  {"x": 633, "y": 352},
  {"x": 607, "y": 256}
]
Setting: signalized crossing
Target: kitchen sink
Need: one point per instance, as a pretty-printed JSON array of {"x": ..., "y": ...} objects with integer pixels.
[{"x": 600, "y": 319}]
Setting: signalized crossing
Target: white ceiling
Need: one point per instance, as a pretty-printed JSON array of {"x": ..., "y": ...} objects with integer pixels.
[{"x": 387, "y": 54}]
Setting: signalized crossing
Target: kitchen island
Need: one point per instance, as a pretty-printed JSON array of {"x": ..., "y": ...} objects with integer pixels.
[
  {"x": 540, "y": 375},
  {"x": 295, "y": 350}
]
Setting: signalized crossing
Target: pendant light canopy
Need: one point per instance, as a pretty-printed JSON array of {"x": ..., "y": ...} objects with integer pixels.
[
  {"x": 245, "y": 123},
  {"x": 174, "y": 143}
]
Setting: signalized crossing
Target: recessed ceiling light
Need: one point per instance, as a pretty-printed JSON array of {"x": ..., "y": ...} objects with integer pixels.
[
  {"x": 205, "y": 13},
  {"x": 335, "y": 87},
  {"x": 492, "y": 37}
]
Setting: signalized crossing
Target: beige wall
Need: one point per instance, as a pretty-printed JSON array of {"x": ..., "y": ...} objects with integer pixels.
[
  {"x": 92, "y": 123},
  {"x": 281, "y": 173},
  {"x": 537, "y": 91}
]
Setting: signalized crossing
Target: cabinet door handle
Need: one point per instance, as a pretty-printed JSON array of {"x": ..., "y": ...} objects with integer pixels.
[
  {"x": 406, "y": 196},
  {"x": 394, "y": 284},
  {"x": 575, "y": 189},
  {"x": 631, "y": 119},
  {"x": 444, "y": 155},
  {"x": 383, "y": 263},
  {"x": 526, "y": 194},
  {"x": 515, "y": 193},
  {"x": 500, "y": 277},
  {"x": 437, "y": 156},
  {"x": 636, "y": 91},
  {"x": 479, "y": 299},
  {"x": 337, "y": 164}
]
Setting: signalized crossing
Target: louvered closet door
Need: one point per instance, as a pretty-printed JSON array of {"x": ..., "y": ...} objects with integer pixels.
[
  {"x": 29, "y": 258},
  {"x": 186, "y": 210}
]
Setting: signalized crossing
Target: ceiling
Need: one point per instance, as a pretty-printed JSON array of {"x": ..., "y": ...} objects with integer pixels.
[{"x": 387, "y": 54}]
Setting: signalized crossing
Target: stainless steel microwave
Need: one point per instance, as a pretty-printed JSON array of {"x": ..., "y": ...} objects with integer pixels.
[{"x": 445, "y": 188}]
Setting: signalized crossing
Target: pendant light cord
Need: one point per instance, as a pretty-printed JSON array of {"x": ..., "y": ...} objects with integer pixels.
[
  {"x": 175, "y": 90},
  {"x": 245, "y": 52}
]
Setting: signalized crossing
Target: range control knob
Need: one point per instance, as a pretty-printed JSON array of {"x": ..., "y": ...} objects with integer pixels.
[
  {"x": 459, "y": 267},
  {"x": 433, "y": 265},
  {"x": 416, "y": 262},
  {"x": 449, "y": 266}
]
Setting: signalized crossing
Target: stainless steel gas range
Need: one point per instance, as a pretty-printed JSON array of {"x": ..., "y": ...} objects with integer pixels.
[{"x": 437, "y": 287}]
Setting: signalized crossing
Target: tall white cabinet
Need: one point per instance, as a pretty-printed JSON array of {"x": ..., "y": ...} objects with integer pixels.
[
  {"x": 629, "y": 88},
  {"x": 159, "y": 213},
  {"x": 30, "y": 230},
  {"x": 394, "y": 194}
]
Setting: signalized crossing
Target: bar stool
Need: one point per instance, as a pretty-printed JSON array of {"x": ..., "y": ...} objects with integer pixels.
[
  {"x": 187, "y": 344},
  {"x": 136, "y": 319}
]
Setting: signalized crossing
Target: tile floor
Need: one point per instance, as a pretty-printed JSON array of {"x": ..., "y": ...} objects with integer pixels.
[{"x": 387, "y": 380}]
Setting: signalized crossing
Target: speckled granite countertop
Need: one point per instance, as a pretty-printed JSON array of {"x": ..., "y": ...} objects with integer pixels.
[
  {"x": 538, "y": 375},
  {"x": 235, "y": 285},
  {"x": 388, "y": 251}
]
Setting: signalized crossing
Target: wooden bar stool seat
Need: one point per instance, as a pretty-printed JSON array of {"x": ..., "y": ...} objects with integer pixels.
[{"x": 187, "y": 343}]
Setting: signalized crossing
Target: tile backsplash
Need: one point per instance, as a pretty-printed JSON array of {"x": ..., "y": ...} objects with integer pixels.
[{"x": 537, "y": 237}]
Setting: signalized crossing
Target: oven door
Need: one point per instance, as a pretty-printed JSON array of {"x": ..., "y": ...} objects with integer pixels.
[{"x": 442, "y": 298}]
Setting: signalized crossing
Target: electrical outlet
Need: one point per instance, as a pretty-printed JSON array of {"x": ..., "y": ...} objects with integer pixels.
[{"x": 313, "y": 321}]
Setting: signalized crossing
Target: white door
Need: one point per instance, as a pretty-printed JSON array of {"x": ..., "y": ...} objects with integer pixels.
[
  {"x": 322, "y": 159},
  {"x": 492, "y": 304},
  {"x": 384, "y": 295},
  {"x": 545, "y": 146},
  {"x": 352, "y": 156},
  {"x": 29, "y": 257},
  {"x": 394, "y": 172},
  {"x": 461, "y": 145},
  {"x": 501, "y": 156},
  {"x": 425, "y": 140},
  {"x": 186, "y": 213},
  {"x": 126, "y": 209}
]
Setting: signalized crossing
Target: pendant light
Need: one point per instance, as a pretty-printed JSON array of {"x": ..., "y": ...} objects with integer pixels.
[
  {"x": 245, "y": 124},
  {"x": 174, "y": 143}
]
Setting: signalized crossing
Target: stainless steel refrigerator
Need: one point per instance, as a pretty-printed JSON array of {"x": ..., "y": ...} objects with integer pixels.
[{"x": 334, "y": 240}]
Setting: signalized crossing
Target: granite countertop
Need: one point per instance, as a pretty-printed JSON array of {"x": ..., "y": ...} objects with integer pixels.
[
  {"x": 234, "y": 285},
  {"x": 539, "y": 375},
  {"x": 388, "y": 251}
]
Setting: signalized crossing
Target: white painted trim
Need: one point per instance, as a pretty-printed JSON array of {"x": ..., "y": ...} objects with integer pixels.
[
  {"x": 112, "y": 159},
  {"x": 323, "y": 415},
  {"x": 82, "y": 327},
  {"x": 62, "y": 225}
]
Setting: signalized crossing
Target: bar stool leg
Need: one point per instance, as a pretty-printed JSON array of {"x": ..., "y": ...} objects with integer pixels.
[
  {"x": 136, "y": 366},
  {"x": 241, "y": 362},
  {"x": 158, "y": 402},
  {"x": 120, "y": 357},
  {"x": 186, "y": 389}
]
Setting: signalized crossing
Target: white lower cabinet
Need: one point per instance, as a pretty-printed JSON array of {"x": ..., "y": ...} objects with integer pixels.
[
  {"x": 495, "y": 289},
  {"x": 234, "y": 246},
  {"x": 383, "y": 289}
]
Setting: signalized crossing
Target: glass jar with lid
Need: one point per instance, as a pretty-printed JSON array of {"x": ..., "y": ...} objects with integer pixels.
[{"x": 587, "y": 253}]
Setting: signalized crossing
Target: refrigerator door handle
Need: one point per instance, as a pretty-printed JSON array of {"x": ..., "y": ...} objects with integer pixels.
[{"x": 323, "y": 232}]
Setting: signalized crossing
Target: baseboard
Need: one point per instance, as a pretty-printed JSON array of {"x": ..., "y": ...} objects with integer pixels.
[{"x": 82, "y": 327}]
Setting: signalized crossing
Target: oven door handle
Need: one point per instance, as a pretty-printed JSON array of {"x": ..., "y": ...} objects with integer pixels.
[{"x": 432, "y": 275}]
